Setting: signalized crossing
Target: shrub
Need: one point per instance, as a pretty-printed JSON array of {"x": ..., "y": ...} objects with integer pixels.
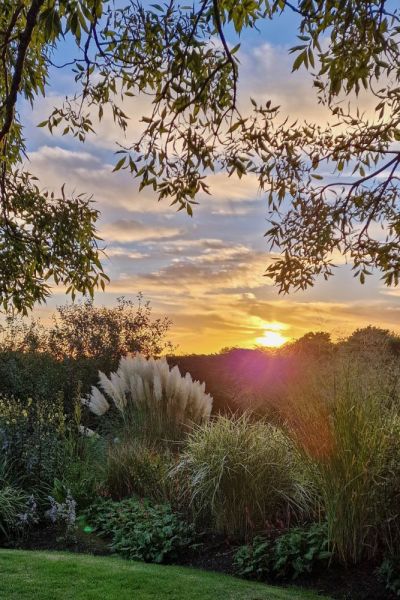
[
  {"x": 134, "y": 468},
  {"x": 30, "y": 438},
  {"x": 83, "y": 330},
  {"x": 38, "y": 361},
  {"x": 140, "y": 530},
  {"x": 243, "y": 474},
  {"x": 43, "y": 447},
  {"x": 153, "y": 401},
  {"x": 25, "y": 375}
]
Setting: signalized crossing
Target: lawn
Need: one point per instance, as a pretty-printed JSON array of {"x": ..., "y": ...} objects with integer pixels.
[{"x": 62, "y": 576}]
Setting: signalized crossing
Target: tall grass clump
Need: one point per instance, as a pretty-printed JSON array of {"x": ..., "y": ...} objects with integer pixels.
[
  {"x": 345, "y": 427},
  {"x": 12, "y": 499},
  {"x": 242, "y": 473},
  {"x": 152, "y": 401},
  {"x": 134, "y": 468},
  {"x": 12, "y": 503}
]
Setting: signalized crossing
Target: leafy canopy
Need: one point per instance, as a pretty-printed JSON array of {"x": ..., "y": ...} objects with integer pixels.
[
  {"x": 179, "y": 56},
  {"x": 83, "y": 330}
]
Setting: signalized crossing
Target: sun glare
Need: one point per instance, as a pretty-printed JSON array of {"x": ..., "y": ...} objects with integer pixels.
[{"x": 272, "y": 339}]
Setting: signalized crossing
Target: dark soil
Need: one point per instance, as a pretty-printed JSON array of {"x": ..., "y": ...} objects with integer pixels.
[
  {"x": 213, "y": 554},
  {"x": 216, "y": 554},
  {"x": 355, "y": 583},
  {"x": 48, "y": 539}
]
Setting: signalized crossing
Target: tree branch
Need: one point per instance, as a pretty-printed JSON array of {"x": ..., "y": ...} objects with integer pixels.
[{"x": 25, "y": 38}]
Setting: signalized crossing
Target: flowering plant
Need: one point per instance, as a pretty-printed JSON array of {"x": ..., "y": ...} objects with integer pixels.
[{"x": 157, "y": 400}]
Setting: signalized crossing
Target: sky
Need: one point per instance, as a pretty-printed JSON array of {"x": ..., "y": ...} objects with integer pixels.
[{"x": 206, "y": 273}]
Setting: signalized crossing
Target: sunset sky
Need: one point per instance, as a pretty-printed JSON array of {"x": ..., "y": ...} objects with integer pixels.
[{"x": 205, "y": 272}]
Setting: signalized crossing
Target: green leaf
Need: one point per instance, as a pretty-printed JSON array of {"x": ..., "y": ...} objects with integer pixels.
[
  {"x": 120, "y": 164},
  {"x": 299, "y": 60}
]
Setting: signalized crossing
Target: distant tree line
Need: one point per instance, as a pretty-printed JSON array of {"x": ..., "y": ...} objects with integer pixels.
[
  {"x": 66, "y": 355},
  {"x": 38, "y": 360}
]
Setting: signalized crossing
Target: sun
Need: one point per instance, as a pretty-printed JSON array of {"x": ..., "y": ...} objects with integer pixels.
[{"x": 272, "y": 339}]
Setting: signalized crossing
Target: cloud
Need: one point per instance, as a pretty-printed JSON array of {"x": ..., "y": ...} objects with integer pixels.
[
  {"x": 86, "y": 172},
  {"x": 134, "y": 231},
  {"x": 121, "y": 252},
  {"x": 107, "y": 133},
  {"x": 223, "y": 271},
  {"x": 266, "y": 74},
  {"x": 231, "y": 189},
  {"x": 206, "y": 273}
]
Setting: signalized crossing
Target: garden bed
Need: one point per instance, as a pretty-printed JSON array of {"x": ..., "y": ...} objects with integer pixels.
[
  {"x": 217, "y": 554},
  {"x": 152, "y": 476}
]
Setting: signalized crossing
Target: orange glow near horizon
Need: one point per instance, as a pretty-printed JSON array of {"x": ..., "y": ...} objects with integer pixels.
[{"x": 272, "y": 339}]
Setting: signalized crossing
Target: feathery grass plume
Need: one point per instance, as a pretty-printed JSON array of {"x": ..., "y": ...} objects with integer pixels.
[
  {"x": 86, "y": 431},
  {"x": 153, "y": 401},
  {"x": 96, "y": 402},
  {"x": 243, "y": 473}
]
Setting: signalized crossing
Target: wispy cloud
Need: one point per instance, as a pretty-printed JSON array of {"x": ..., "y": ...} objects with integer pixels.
[
  {"x": 206, "y": 273},
  {"x": 129, "y": 230}
]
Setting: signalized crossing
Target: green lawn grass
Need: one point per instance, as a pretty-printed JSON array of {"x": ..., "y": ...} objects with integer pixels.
[{"x": 62, "y": 576}]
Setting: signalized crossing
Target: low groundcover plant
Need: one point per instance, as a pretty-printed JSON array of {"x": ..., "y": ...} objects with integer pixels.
[{"x": 141, "y": 530}]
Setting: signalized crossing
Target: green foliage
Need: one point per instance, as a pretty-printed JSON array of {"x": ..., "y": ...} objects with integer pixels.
[
  {"x": 28, "y": 375},
  {"x": 12, "y": 499},
  {"x": 346, "y": 425},
  {"x": 243, "y": 474},
  {"x": 389, "y": 573},
  {"x": 38, "y": 362},
  {"x": 45, "y": 452},
  {"x": 140, "y": 530},
  {"x": 31, "y": 437},
  {"x": 44, "y": 237},
  {"x": 300, "y": 550},
  {"x": 12, "y": 503},
  {"x": 82, "y": 469},
  {"x": 254, "y": 561},
  {"x": 167, "y": 52},
  {"x": 133, "y": 468},
  {"x": 354, "y": 478}
]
